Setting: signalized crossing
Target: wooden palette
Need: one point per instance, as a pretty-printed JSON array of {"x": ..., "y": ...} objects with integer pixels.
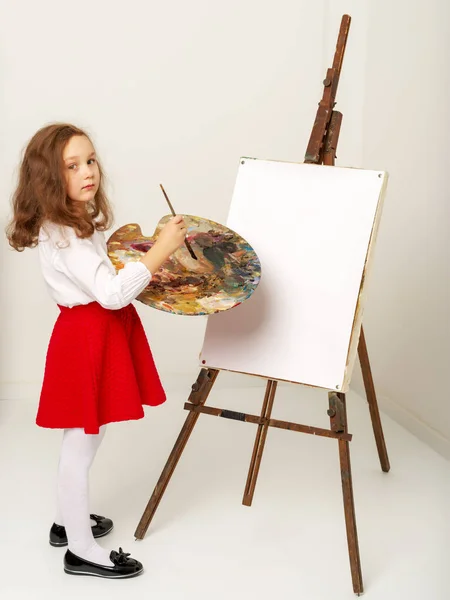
[{"x": 226, "y": 273}]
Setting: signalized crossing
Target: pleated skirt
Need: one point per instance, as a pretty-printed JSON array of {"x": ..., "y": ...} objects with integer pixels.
[{"x": 99, "y": 369}]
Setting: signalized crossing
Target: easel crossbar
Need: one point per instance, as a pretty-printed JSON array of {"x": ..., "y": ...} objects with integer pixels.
[{"x": 258, "y": 420}]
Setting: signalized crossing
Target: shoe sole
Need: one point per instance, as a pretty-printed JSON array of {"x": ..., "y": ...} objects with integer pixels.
[
  {"x": 62, "y": 544},
  {"x": 69, "y": 572}
]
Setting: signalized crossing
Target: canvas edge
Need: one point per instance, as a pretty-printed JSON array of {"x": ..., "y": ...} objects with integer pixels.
[{"x": 362, "y": 296}]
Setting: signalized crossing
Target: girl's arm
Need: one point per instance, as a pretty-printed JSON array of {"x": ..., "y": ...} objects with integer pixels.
[{"x": 81, "y": 263}]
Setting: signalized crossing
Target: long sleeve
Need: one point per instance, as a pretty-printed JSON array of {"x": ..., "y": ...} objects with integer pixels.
[{"x": 92, "y": 272}]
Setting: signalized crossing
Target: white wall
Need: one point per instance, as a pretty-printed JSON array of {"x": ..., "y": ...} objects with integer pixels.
[
  {"x": 172, "y": 92},
  {"x": 177, "y": 91},
  {"x": 406, "y": 128}
]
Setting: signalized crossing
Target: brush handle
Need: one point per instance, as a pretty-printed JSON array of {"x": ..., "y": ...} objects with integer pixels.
[{"x": 188, "y": 246}]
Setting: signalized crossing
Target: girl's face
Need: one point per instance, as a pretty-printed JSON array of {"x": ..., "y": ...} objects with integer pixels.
[{"x": 81, "y": 172}]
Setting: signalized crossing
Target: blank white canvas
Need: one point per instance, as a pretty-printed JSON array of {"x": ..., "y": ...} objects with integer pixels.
[{"x": 313, "y": 228}]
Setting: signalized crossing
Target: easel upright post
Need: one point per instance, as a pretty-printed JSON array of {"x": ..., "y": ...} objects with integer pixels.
[
  {"x": 338, "y": 421},
  {"x": 321, "y": 149}
]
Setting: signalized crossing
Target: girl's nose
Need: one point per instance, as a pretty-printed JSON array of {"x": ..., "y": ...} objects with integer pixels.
[{"x": 88, "y": 171}]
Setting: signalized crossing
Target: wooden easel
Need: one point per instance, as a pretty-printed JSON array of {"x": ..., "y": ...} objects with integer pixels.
[{"x": 321, "y": 150}]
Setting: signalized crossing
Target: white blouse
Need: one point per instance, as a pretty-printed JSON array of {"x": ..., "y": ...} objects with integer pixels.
[{"x": 79, "y": 271}]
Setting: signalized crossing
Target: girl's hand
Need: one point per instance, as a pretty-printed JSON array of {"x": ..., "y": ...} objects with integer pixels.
[
  {"x": 170, "y": 238},
  {"x": 172, "y": 235}
]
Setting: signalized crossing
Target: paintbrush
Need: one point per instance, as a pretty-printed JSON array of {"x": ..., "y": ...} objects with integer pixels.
[{"x": 188, "y": 246}]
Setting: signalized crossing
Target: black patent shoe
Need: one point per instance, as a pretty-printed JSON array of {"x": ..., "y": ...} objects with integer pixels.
[
  {"x": 102, "y": 527},
  {"x": 122, "y": 568}
]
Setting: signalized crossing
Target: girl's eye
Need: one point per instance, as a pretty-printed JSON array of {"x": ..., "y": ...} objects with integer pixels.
[
  {"x": 91, "y": 161},
  {"x": 72, "y": 167}
]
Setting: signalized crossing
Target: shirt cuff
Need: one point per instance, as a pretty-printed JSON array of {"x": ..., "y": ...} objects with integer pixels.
[{"x": 135, "y": 278}]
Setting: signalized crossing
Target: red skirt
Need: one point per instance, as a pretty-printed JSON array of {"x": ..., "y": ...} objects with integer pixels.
[{"x": 99, "y": 369}]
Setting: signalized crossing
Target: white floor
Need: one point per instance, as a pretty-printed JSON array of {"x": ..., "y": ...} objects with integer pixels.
[{"x": 203, "y": 544}]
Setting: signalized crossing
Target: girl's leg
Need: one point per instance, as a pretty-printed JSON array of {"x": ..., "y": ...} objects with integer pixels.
[
  {"x": 59, "y": 518},
  {"x": 78, "y": 451}
]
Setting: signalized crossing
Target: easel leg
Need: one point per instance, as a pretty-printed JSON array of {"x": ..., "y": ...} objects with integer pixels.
[
  {"x": 329, "y": 156},
  {"x": 338, "y": 419},
  {"x": 373, "y": 403},
  {"x": 260, "y": 441},
  {"x": 199, "y": 395}
]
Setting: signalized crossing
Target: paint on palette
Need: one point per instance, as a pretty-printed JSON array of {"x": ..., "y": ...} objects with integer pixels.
[{"x": 226, "y": 273}]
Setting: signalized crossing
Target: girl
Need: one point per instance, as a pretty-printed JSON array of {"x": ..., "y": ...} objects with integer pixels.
[{"x": 99, "y": 367}]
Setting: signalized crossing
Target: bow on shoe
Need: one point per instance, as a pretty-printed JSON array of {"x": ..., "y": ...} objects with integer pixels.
[
  {"x": 97, "y": 518},
  {"x": 120, "y": 558}
]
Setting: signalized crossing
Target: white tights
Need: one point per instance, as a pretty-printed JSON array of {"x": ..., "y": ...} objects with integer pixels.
[{"x": 78, "y": 451}]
